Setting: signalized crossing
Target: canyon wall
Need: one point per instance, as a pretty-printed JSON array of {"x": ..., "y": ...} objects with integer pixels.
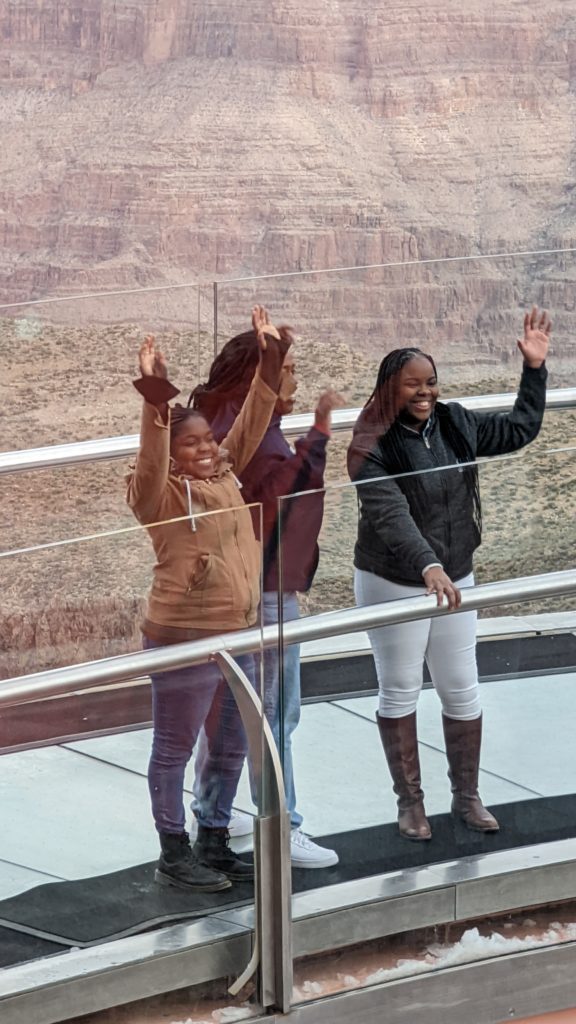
[{"x": 149, "y": 142}]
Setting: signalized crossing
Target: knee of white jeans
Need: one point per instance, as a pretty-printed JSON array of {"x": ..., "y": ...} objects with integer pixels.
[
  {"x": 462, "y": 708},
  {"x": 397, "y": 703}
]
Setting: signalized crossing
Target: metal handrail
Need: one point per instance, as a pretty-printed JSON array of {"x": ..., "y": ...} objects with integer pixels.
[
  {"x": 54, "y": 682},
  {"x": 104, "y": 448}
]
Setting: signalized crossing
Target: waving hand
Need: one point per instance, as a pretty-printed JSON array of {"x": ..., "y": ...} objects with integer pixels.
[{"x": 534, "y": 344}]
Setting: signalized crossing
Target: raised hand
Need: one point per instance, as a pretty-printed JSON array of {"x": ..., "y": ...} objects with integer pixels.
[
  {"x": 152, "y": 361},
  {"x": 534, "y": 344},
  {"x": 328, "y": 401},
  {"x": 262, "y": 326},
  {"x": 274, "y": 343}
]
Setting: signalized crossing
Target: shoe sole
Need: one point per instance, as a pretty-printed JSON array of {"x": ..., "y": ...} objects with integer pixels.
[
  {"x": 211, "y": 887},
  {"x": 239, "y": 878},
  {"x": 416, "y": 839},
  {"x": 474, "y": 828},
  {"x": 312, "y": 867}
]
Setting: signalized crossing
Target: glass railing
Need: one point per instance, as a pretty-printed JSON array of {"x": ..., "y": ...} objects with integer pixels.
[
  {"x": 77, "y": 599},
  {"x": 466, "y": 312},
  {"x": 77, "y": 573},
  {"x": 461, "y": 309},
  {"x": 76, "y": 806},
  {"x": 526, "y": 657},
  {"x": 69, "y": 361}
]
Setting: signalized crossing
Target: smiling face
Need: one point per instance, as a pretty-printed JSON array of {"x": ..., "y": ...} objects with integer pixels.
[
  {"x": 193, "y": 448},
  {"x": 417, "y": 390}
]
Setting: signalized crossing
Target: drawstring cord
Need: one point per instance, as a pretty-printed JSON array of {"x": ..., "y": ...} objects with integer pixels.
[{"x": 190, "y": 509}]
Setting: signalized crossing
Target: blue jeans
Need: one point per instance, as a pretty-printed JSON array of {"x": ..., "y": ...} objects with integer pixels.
[
  {"x": 184, "y": 701},
  {"x": 269, "y": 609}
]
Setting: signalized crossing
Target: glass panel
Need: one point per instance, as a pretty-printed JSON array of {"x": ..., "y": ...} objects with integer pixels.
[
  {"x": 84, "y": 598},
  {"x": 75, "y": 803},
  {"x": 66, "y": 361},
  {"x": 526, "y": 655},
  {"x": 465, "y": 311}
]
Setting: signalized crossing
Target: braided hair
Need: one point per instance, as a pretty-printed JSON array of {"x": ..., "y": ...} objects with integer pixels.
[
  {"x": 230, "y": 375},
  {"x": 380, "y": 423},
  {"x": 179, "y": 416}
]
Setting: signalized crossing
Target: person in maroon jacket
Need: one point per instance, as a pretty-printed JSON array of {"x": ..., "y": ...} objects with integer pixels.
[{"x": 276, "y": 470}]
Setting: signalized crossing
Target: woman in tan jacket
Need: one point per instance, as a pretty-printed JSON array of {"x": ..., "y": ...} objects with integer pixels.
[{"x": 206, "y": 581}]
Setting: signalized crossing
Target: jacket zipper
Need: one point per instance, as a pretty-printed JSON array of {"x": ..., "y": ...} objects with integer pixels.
[{"x": 444, "y": 491}]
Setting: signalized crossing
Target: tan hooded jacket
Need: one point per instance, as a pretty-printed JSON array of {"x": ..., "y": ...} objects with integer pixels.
[{"x": 207, "y": 572}]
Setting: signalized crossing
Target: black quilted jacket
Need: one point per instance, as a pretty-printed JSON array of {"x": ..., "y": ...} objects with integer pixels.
[{"x": 407, "y": 523}]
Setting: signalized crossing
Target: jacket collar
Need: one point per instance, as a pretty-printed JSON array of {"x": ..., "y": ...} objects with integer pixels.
[{"x": 426, "y": 430}]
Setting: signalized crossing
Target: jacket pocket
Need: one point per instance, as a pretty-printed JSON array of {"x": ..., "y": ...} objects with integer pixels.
[{"x": 201, "y": 571}]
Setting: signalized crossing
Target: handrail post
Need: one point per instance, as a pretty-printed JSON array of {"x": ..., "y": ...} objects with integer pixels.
[
  {"x": 215, "y": 315},
  {"x": 273, "y": 885}
]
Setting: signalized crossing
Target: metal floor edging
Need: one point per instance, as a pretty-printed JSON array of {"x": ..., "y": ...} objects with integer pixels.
[
  {"x": 59, "y": 987},
  {"x": 485, "y": 992}
]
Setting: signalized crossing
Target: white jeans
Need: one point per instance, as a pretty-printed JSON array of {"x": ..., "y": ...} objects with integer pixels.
[{"x": 448, "y": 644}]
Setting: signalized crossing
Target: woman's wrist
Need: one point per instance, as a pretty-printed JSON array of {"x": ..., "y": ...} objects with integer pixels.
[{"x": 432, "y": 565}]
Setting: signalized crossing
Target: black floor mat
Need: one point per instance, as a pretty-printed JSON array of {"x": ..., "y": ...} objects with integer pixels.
[
  {"x": 92, "y": 910},
  {"x": 16, "y": 947}
]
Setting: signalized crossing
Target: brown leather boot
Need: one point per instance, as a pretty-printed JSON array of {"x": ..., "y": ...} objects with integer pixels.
[
  {"x": 400, "y": 744},
  {"x": 463, "y": 740}
]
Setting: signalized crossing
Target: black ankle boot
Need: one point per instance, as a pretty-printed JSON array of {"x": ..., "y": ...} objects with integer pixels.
[
  {"x": 179, "y": 866},
  {"x": 212, "y": 848}
]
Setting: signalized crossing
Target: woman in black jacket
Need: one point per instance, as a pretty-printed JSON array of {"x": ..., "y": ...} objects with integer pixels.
[{"x": 417, "y": 534}]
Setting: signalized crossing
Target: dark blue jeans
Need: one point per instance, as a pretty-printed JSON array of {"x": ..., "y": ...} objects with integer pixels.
[{"x": 182, "y": 702}]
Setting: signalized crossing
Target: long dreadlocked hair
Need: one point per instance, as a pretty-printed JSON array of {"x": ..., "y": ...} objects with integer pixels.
[
  {"x": 379, "y": 423},
  {"x": 230, "y": 375}
]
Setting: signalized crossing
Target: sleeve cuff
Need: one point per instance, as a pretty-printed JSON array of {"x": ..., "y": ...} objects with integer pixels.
[
  {"x": 541, "y": 370},
  {"x": 432, "y": 565},
  {"x": 155, "y": 390},
  {"x": 318, "y": 435}
]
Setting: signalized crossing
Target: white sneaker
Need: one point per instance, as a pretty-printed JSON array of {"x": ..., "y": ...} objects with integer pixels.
[
  {"x": 241, "y": 824},
  {"x": 306, "y": 854}
]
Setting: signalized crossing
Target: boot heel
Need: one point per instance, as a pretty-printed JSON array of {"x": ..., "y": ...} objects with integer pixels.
[{"x": 413, "y": 824}]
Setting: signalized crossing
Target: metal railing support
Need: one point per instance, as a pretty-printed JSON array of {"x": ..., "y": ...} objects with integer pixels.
[
  {"x": 215, "y": 316},
  {"x": 273, "y": 884}
]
